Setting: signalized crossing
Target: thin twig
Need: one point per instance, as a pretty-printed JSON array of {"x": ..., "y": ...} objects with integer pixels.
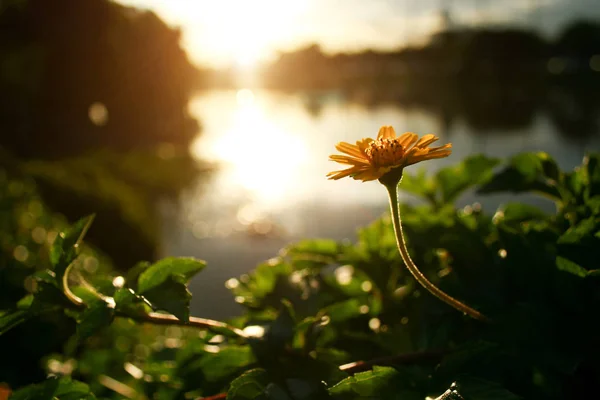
[
  {"x": 168, "y": 319},
  {"x": 405, "y": 359},
  {"x": 154, "y": 317}
]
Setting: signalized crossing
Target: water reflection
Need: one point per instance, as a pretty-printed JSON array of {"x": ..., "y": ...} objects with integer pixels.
[
  {"x": 260, "y": 157},
  {"x": 272, "y": 188}
]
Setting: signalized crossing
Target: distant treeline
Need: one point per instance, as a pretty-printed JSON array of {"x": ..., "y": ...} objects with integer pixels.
[
  {"x": 475, "y": 54},
  {"x": 491, "y": 79},
  {"x": 77, "y": 75}
]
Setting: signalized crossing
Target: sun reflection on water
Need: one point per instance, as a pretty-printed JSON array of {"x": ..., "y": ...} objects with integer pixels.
[{"x": 259, "y": 156}]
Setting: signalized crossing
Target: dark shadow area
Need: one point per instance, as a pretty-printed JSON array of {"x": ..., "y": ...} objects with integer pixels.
[
  {"x": 93, "y": 119},
  {"x": 94, "y": 107}
]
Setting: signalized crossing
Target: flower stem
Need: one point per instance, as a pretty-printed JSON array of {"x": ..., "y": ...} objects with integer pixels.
[{"x": 416, "y": 273}]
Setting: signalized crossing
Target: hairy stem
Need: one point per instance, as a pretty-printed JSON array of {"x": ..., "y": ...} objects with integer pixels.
[
  {"x": 416, "y": 273},
  {"x": 152, "y": 317}
]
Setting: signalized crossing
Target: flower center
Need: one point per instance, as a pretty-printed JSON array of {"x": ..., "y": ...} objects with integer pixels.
[{"x": 385, "y": 152}]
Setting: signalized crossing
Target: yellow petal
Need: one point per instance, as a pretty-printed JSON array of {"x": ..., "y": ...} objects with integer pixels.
[
  {"x": 368, "y": 175},
  {"x": 426, "y": 140},
  {"x": 348, "y": 160},
  {"x": 428, "y": 156},
  {"x": 386, "y": 132},
  {"x": 342, "y": 173},
  {"x": 350, "y": 149},
  {"x": 407, "y": 139},
  {"x": 446, "y": 146},
  {"x": 363, "y": 144},
  {"x": 414, "y": 152}
]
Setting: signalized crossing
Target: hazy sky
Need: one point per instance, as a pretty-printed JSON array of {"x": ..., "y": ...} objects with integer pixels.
[{"x": 222, "y": 32}]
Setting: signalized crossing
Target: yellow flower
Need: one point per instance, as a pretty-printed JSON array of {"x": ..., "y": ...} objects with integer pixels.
[{"x": 371, "y": 159}]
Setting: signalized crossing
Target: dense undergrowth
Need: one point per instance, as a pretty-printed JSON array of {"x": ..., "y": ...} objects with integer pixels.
[{"x": 325, "y": 319}]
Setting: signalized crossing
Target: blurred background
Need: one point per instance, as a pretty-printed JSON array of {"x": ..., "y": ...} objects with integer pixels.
[{"x": 202, "y": 128}]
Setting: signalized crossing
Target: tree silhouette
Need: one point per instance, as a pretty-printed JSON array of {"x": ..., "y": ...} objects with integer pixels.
[{"x": 65, "y": 61}]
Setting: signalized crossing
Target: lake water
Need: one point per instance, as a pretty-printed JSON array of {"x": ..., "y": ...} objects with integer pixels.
[{"x": 271, "y": 188}]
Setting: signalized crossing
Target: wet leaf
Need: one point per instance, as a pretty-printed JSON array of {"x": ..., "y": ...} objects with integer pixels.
[
  {"x": 378, "y": 383},
  {"x": 177, "y": 269},
  {"x": 250, "y": 385},
  {"x": 172, "y": 296}
]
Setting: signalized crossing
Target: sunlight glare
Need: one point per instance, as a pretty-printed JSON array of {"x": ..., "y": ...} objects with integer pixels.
[
  {"x": 264, "y": 157},
  {"x": 252, "y": 28},
  {"x": 237, "y": 33}
]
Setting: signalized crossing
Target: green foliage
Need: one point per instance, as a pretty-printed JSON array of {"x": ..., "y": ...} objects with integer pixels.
[
  {"x": 164, "y": 284},
  {"x": 250, "y": 385},
  {"x": 527, "y": 172},
  {"x": 96, "y": 316},
  {"x": 380, "y": 382},
  {"x": 66, "y": 246},
  {"x": 55, "y": 388},
  {"x": 328, "y": 320}
]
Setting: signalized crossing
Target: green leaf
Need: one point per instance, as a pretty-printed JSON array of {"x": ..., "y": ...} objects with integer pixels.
[
  {"x": 73, "y": 390},
  {"x": 520, "y": 212},
  {"x": 45, "y": 276},
  {"x": 323, "y": 247},
  {"x": 66, "y": 246},
  {"x": 344, "y": 310},
  {"x": 25, "y": 302},
  {"x": 577, "y": 234},
  {"x": 418, "y": 184},
  {"x": 594, "y": 205},
  {"x": 55, "y": 388},
  {"x": 592, "y": 165},
  {"x": 228, "y": 360},
  {"x": 569, "y": 266},
  {"x": 378, "y": 383},
  {"x": 95, "y": 317},
  {"x": 129, "y": 302},
  {"x": 313, "y": 253},
  {"x": 11, "y": 319},
  {"x": 40, "y": 391},
  {"x": 257, "y": 287},
  {"x": 250, "y": 385},
  {"x": 133, "y": 274},
  {"x": 47, "y": 295},
  {"x": 177, "y": 269},
  {"x": 526, "y": 172},
  {"x": 301, "y": 389},
  {"x": 171, "y": 296},
  {"x": 281, "y": 331},
  {"x": 472, "y": 171}
]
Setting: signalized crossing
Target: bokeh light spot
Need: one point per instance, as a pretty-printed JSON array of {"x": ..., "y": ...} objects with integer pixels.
[{"x": 98, "y": 114}]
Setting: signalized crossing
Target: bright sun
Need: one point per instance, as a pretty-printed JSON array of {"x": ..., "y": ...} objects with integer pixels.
[
  {"x": 242, "y": 32},
  {"x": 247, "y": 29}
]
